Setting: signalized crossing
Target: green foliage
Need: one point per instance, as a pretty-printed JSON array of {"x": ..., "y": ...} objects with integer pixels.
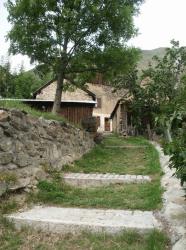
[
  {"x": 177, "y": 148},
  {"x": 76, "y": 39},
  {"x": 158, "y": 101},
  {"x": 169, "y": 80},
  {"x": 7, "y": 88},
  {"x": 160, "y": 96},
  {"x": 21, "y": 84}
]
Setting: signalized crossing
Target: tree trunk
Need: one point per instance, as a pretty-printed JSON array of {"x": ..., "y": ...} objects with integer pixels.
[
  {"x": 168, "y": 135},
  {"x": 149, "y": 131},
  {"x": 58, "y": 94}
]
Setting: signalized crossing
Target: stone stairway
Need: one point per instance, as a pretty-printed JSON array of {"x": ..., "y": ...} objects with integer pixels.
[
  {"x": 65, "y": 220},
  {"x": 93, "y": 180},
  {"x": 74, "y": 220}
]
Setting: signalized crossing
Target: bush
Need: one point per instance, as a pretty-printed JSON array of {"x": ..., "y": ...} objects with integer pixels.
[
  {"x": 90, "y": 124},
  {"x": 177, "y": 150},
  {"x": 98, "y": 138}
]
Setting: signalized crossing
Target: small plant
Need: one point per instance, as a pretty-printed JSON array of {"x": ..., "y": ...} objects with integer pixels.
[
  {"x": 7, "y": 206},
  {"x": 54, "y": 173},
  {"x": 9, "y": 178}
]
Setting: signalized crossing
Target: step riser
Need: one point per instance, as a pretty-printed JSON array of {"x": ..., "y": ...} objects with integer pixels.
[
  {"x": 74, "y": 228},
  {"x": 74, "y": 220},
  {"x": 94, "y": 180},
  {"x": 96, "y": 183}
]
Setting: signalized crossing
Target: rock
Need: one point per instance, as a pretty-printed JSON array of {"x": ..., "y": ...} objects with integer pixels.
[
  {"x": 19, "y": 146},
  {"x": 4, "y": 125},
  {"x": 6, "y": 158},
  {"x": 5, "y": 144},
  {"x": 4, "y": 116},
  {"x": 27, "y": 143},
  {"x": 22, "y": 160},
  {"x": 3, "y": 188},
  {"x": 17, "y": 113},
  {"x": 1, "y": 132},
  {"x": 11, "y": 166},
  {"x": 10, "y": 131},
  {"x": 40, "y": 175},
  {"x": 21, "y": 183}
]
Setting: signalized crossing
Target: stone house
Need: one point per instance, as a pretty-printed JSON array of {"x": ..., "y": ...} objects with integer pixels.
[
  {"x": 97, "y": 95},
  {"x": 77, "y": 104}
]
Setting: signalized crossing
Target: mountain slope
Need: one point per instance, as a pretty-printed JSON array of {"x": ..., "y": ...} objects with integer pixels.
[{"x": 146, "y": 57}]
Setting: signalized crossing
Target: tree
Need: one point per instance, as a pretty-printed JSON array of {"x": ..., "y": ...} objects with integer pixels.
[
  {"x": 76, "y": 38},
  {"x": 160, "y": 94},
  {"x": 7, "y": 87},
  {"x": 166, "y": 83}
]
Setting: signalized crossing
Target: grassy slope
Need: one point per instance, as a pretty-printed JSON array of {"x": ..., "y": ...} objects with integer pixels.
[
  {"x": 31, "y": 111},
  {"x": 145, "y": 196},
  {"x": 26, "y": 238},
  {"x": 56, "y": 192},
  {"x": 143, "y": 160},
  {"x": 29, "y": 239}
]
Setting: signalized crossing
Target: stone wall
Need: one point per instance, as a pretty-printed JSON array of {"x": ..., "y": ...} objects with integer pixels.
[{"x": 29, "y": 145}]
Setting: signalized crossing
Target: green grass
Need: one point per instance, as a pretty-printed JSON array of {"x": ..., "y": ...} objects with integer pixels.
[
  {"x": 31, "y": 111},
  {"x": 146, "y": 196},
  {"x": 144, "y": 161},
  {"x": 10, "y": 239},
  {"x": 7, "y": 206},
  {"x": 129, "y": 196}
]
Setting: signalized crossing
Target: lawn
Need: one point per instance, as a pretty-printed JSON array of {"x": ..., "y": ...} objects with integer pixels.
[
  {"x": 142, "y": 160},
  {"x": 27, "y": 239},
  {"x": 146, "y": 196},
  {"x": 129, "y": 196}
]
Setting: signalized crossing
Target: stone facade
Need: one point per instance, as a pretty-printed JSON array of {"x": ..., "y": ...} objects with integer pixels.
[
  {"x": 73, "y": 94},
  {"x": 105, "y": 93},
  {"x": 28, "y": 145}
]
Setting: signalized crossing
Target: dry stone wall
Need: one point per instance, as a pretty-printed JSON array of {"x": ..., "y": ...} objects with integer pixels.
[{"x": 28, "y": 145}]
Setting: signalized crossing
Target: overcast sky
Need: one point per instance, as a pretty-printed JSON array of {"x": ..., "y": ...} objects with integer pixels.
[{"x": 159, "y": 21}]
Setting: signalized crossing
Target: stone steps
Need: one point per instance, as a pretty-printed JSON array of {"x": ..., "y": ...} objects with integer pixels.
[
  {"x": 93, "y": 180},
  {"x": 126, "y": 146},
  {"x": 74, "y": 220}
]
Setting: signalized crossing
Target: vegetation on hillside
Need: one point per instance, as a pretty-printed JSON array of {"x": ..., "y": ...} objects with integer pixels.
[
  {"x": 21, "y": 84},
  {"x": 146, "y": 58}
]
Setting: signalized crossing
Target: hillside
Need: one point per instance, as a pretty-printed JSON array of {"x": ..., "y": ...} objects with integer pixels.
[{"x": 147, "y": 55}]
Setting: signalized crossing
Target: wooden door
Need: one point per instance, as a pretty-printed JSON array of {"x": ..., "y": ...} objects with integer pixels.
[{"x": 107, "y": 124}]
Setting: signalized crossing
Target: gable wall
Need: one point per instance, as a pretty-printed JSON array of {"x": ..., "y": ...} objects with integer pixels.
[{"x": 48, "y": 93}]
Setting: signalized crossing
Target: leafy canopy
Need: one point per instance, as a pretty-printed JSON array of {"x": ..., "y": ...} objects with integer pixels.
[{"x": 73, "y": 34}]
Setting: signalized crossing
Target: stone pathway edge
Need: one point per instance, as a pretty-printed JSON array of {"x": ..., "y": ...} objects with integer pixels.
[{"x": 174, "y": 205}]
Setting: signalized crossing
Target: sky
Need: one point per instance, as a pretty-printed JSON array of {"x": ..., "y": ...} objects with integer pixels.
[{"x": 158, "y": 23}]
